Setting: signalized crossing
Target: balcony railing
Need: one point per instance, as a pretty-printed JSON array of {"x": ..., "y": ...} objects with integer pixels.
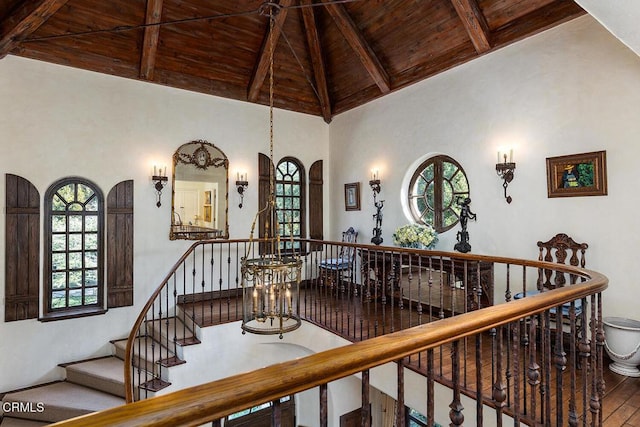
[{"x": 456, "y": 319}]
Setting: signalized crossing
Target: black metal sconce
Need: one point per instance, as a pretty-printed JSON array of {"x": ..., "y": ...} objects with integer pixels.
[
  {"x": 377, "y": 230},
  {"x": 505, "y": 172},
  {"x": 159, "y": 179},
  {"x": 241, "y": 184}
]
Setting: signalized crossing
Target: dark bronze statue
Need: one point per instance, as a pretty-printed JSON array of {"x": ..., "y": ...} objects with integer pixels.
[{"x": 463, "y": 244}]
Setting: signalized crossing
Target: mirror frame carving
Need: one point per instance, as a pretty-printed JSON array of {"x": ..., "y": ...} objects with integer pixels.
[{"x": 200, "y": 157}]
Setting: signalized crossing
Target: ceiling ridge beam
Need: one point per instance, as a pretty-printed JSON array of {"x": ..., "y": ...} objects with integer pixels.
[
  {"x": 262, "y": 66},
  {"x": 26, "y": 18},
  {"x": 361, "y": 47},
  {"x": 150, "y": 40},
  {"x": 475, "y": 23},
  {"x": 317, "y": 61}
]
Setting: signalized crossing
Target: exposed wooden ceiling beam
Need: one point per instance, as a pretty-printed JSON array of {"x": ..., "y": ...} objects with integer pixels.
[
  {"x": 475, "y": 23},
  {"x": 358, "y": 43},
  {"x": 24, "y": 20},
  {"x": 317, "y": 62},
  {"x": 151, "y": 36},
  {"x": 262, "y": 66}
]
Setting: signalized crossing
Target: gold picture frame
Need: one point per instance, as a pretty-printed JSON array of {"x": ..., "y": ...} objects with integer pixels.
[
  {"x": 352, "y": 196},
  {"x": 574, "y": 175}
]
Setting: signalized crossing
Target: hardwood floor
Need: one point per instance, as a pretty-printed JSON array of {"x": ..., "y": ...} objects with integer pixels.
[{"x": 356, "y": 320}]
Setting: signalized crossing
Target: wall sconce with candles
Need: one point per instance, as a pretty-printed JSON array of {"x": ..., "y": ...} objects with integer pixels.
[
  {"x": 159, "y": 179},
  {"x": 241, "y": 184},
  {"x": 505, "y": 170},
  {"x": 375, "y": 186}
]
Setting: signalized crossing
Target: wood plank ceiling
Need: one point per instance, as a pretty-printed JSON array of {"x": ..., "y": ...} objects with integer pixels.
[{"x": 330, "y": 55}]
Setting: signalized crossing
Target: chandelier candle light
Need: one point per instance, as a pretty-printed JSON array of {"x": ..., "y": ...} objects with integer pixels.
[{"x": 271, "y": 281}]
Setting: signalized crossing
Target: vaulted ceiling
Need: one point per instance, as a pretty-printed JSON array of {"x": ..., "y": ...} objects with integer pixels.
[{"x": 330, "y": 55}]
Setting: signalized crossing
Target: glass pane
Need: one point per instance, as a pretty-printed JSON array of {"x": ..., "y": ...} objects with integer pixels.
[
  {"x": 58, "y": 262},
  {"x": 75, "y": 279},
  {"x": 427, "y": 172},
  {"x": 92, "y": 206},
  {"x": 76, "y": 207},
  {"x": 287, "y": 190},
  {"x": 91, "y": 278},
  {"x": 75, "y": 223},
  {"x": 59, "y": 242},
  {"x": 288, "y": 203},
  {"x": 296, "y": 190},
  {"x": 57, "y": 204},
  {"x": 421, "y": 204},
  {"x": 84, "y": 193},
  {"x": 296, "y": 176},
  {"x": 75, "y": 242},
  {"x": 91, "y": 241},
  {"x": 75, "y": 297},
  {"x": 430, "y": 195},
  {"x": 58, "y": 299},
  {"x": 448, "y": 170},
  {"x": 296, "y": 203},
  {"x": 59, "y": 280},
  {"x": 91, "y": 296},
  {"x": 459, "y": 183},
  {"x": 447, "y": 195},
  {"x": 280, "y": 173},
  {"x": 75, "y": 260},
  {"x": 420, "y": 186},
  {"x": 67, "y": 193},
  {"x": 58, "y": 223},
  {"x": 428, "y": 217},
  {"x": 449, "y": 217},
  {"x": 91, "y": 259},
  {"x": 279, "y": 189},
  {"x": 91, "y": 223},
  {"x": 296, "y": 229},
  {"x": 279, "y": 202}
]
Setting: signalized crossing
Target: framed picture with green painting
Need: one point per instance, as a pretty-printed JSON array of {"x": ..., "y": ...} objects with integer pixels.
[{"x": 577, "y": 175}]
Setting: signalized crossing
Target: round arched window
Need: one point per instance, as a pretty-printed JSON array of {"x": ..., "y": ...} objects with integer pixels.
[{"x": 436, "y": 190}]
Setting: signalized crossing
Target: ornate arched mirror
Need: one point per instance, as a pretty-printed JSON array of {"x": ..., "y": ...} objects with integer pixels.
[{"x": 199, "y": 202}]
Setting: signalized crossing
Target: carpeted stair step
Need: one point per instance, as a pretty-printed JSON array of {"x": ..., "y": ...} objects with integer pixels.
[
  {"x": 149, "y": 354},
  {"x": 18, "y": 422},
  {"x": 58, "y": 401},
  {"x": 104, "y": 374},
  {"x": 166, "y": 330}
]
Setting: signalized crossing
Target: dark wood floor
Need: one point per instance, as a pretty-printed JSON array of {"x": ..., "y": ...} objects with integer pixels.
[{"x": 620, "y": 406}]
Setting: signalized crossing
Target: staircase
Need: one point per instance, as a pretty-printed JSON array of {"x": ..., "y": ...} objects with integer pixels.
[{"x": 90, "y": 385}]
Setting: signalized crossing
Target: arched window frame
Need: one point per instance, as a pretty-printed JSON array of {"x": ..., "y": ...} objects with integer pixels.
[
  {"x": 438, "y": 208},
  {"x": 81, "y": 241},
  {"x": 291, "y": 214}
]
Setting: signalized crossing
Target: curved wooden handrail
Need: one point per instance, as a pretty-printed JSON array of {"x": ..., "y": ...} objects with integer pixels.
[
  {"x": 140, "y": 319},
  {"x": 217, "y": 399}
]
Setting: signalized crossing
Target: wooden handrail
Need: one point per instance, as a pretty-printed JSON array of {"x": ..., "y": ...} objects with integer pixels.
[
  {"x": 214, "y": 400},
  {"x": 141, "y": 317}
]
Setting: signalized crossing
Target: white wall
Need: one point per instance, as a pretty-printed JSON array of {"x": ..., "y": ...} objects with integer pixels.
[
  {"x": 572, "y": 89},
  {"x": 57, "y": 121}
]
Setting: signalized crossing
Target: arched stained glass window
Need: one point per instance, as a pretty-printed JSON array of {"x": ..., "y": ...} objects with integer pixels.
[
  {"x": 435, "y": 190},
  {"x": 74, "y": 223}
]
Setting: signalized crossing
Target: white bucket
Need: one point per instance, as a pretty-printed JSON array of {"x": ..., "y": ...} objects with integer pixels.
[{"x": 622, "y": 342}]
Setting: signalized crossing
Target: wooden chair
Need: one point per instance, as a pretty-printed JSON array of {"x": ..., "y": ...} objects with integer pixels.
[
  {"x": 340, "y": 269},
  {"x": 560, "y": 249}
]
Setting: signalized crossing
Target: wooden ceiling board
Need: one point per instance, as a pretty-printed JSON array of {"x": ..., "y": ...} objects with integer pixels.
[{"x": 363, "y": 48}]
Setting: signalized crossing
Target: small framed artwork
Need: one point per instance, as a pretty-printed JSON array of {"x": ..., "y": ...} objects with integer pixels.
[
  {"x": 207, "y": 197},
  {"x": 352, "y": 196},
  {"x": 207, "y": 214},
  {"x": 577, "y": 175}
]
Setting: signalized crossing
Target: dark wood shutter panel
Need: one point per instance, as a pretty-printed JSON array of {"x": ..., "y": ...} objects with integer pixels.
[
  {"x": 120, "y": 245},
  {"x": 22, "y": 249},
  {"x": 316, "y": 204},
  {"x": 264, "y": 165}
]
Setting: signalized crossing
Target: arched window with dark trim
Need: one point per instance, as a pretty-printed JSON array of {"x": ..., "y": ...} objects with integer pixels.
[
  {"x": 435, "y": 189},
  {"x": 74, "y": 224},
  {"x": 290, "y": 201}
]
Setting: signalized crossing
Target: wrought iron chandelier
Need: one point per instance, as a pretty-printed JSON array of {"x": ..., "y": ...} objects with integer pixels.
[{"x": 270, "y": 282}]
